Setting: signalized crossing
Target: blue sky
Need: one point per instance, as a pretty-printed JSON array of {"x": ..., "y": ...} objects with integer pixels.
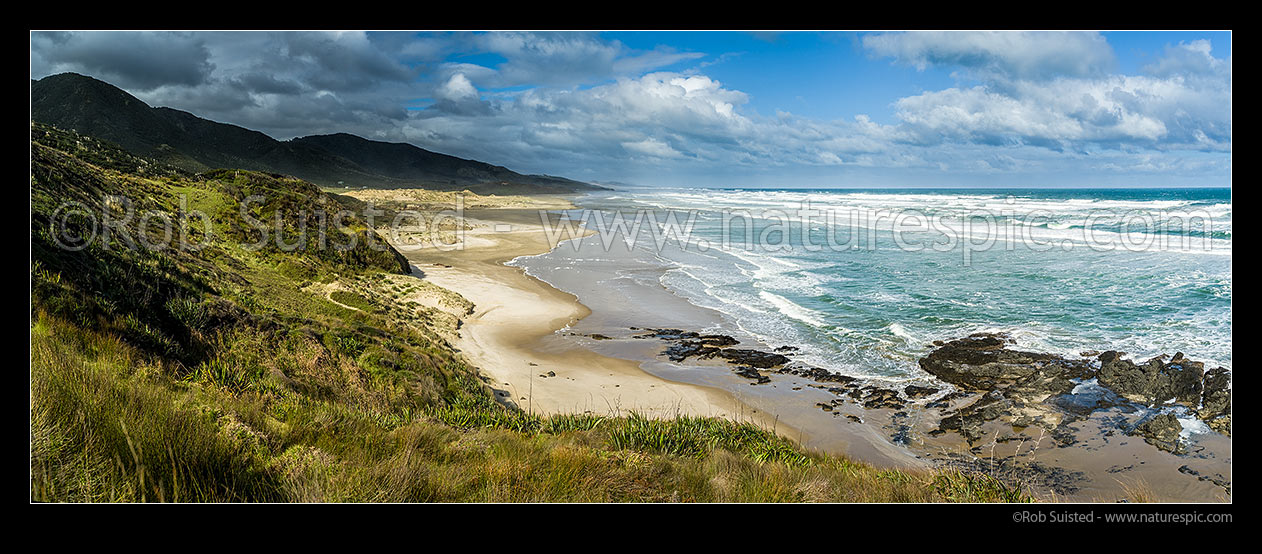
[
  {"x": 822, "y": 76},
  {"x": 716, "y": 108}
]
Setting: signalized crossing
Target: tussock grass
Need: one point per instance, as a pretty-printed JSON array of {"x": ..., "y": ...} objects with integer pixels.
[
  {"x": 109, "y": 425},
  {"x": 215, "y": 376},
  {"x": 97, "y": 435}
]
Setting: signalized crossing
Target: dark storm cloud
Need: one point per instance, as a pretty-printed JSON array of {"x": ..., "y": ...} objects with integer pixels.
[
  {"x": 139, "y": 61},
  {"x": 343, "y": 61},
  {"x": 257, "y": 81},
  {"x": 284, "y": 84}
]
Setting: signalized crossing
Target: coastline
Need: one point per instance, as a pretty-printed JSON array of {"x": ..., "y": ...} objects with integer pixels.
[
  {"x": 541, "y": 348},
  {"x": 511, "y": 335}
]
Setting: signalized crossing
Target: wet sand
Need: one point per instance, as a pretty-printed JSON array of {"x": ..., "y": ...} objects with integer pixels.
[
  {"x": 523, "y": 328},
  {"x": 512, "y": 335}
]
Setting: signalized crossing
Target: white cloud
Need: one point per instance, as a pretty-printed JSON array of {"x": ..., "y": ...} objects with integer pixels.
[
  {"x": 457, "y": 88},
  {"x": 567, "y": 59},
  {"x": 1006, "y": 54},
  {"x": 1047, "y": 89},
  {"x": 1191, "y": 59},
  {"x": 652, "y": 147}
]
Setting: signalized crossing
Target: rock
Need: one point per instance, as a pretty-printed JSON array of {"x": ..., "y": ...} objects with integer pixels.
[
  {"x": 1215, "y": 479},
  {"x": 599, "y": 336},
  {"x": 1215, "y": 408},
  {"x": 1085, "y": 403},
  {"x": 1065, "y": 435},
  {"x": 1155, "y": 381},
  {"x": 882, "y": 398},
  {"x": 1161, "y": 431},
  {"x": 969, "y": 419},
  {"x": 1221, "y": 424},
  {"x": 825, "y": 407},
  {"x": 756, "y": 358},
  {"x": 983, "y": 362},
  {"x": 679, "y": 334},
  {"x": 945, "y": 401},
  {"x": 667, "y": 334},
  {"x": 683, "y": 350},
  {"x": 1036, "y": 388},
  {"x": 816, "y": 373},
  {"x": 751, "y": 373},
  {"x": 689, "y": 344},
  {"x": 915, "y": 392},
  {"x": 717, "y": 340},
  {"x": 787, "y": 349},
  {"x": 902, "y": 434}
]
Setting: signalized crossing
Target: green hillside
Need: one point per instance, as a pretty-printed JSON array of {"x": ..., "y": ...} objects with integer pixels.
[{"x": 217, "y": 372}]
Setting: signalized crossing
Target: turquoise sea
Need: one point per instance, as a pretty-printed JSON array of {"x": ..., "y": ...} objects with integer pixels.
[{"x": 863, "y": 281}]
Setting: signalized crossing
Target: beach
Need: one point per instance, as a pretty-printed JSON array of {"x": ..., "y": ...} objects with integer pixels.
[
  {"x": 574, "y": 326},
  {"x": 512, "y": 334}
]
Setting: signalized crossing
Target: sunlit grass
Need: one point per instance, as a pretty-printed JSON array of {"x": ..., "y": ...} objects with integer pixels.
[{"x": 218, "y": 376}]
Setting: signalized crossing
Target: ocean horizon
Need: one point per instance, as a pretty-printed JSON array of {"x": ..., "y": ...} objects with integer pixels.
[{"x": 874, "y": 309}]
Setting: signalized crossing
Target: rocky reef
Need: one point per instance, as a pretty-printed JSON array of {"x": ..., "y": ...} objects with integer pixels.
[
  {"x": 990, "y": 392},
  {"x": 1031, "y": 388},
  {"x": 994, "y": 381},
  {"x": 688, "y": 344}
]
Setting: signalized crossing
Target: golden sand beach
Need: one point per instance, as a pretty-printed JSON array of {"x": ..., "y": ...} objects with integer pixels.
[{"x": 511, "y": 336}]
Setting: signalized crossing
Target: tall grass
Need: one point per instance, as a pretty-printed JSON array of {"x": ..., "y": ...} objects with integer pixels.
[
  {"x": 106, "y": 426},
  {"x": 213, "y": 376},
  {"x": 99, "y": 436}
]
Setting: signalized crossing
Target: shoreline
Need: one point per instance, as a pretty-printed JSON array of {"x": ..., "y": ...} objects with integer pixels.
[
  {"x": 512, "y": 335},
  {"x": 543, "y": 350}
]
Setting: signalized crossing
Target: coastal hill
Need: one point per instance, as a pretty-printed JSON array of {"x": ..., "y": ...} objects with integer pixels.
[
  {"x": 96, "y": 108},
  {"x": 215, "y": 373}
]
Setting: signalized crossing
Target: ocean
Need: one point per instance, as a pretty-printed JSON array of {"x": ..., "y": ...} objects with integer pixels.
[{"x": 863, "y": 281}]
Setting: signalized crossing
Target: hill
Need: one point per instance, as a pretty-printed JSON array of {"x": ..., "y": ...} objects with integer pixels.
[
  {"x": 217, "y": 371},
  {"x": 96, "y": 108}
]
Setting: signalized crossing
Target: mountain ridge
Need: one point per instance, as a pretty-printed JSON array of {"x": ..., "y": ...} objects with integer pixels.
[{"x": 183, "y": 139}]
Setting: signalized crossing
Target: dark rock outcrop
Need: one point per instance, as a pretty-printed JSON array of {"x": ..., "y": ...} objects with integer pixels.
[
  {"x": 1161, "y": 431},
  {"x": 983, "y": 362},
  {"x": 751, "y": 373},
  {"x": 689, "y": 344},
  {"x": 756, "y": 358},
  {"x": 1155, "y": 380},
  {"x": 685, "y": 349},
  {"x": 969, "y": 419},
  {"x": 881, "y": 399},
  {"x": 1032, "y": 388},
  {"x": 915, "y": 392},
  {"x": 1215, "y": 407},
  {"x": 817, "y": 374}
]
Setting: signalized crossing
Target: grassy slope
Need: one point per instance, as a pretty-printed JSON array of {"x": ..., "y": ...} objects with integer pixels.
[{"x": 219, "y": 375}]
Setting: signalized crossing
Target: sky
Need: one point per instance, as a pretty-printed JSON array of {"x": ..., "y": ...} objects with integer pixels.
[{"x": 715, "y": 109}]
